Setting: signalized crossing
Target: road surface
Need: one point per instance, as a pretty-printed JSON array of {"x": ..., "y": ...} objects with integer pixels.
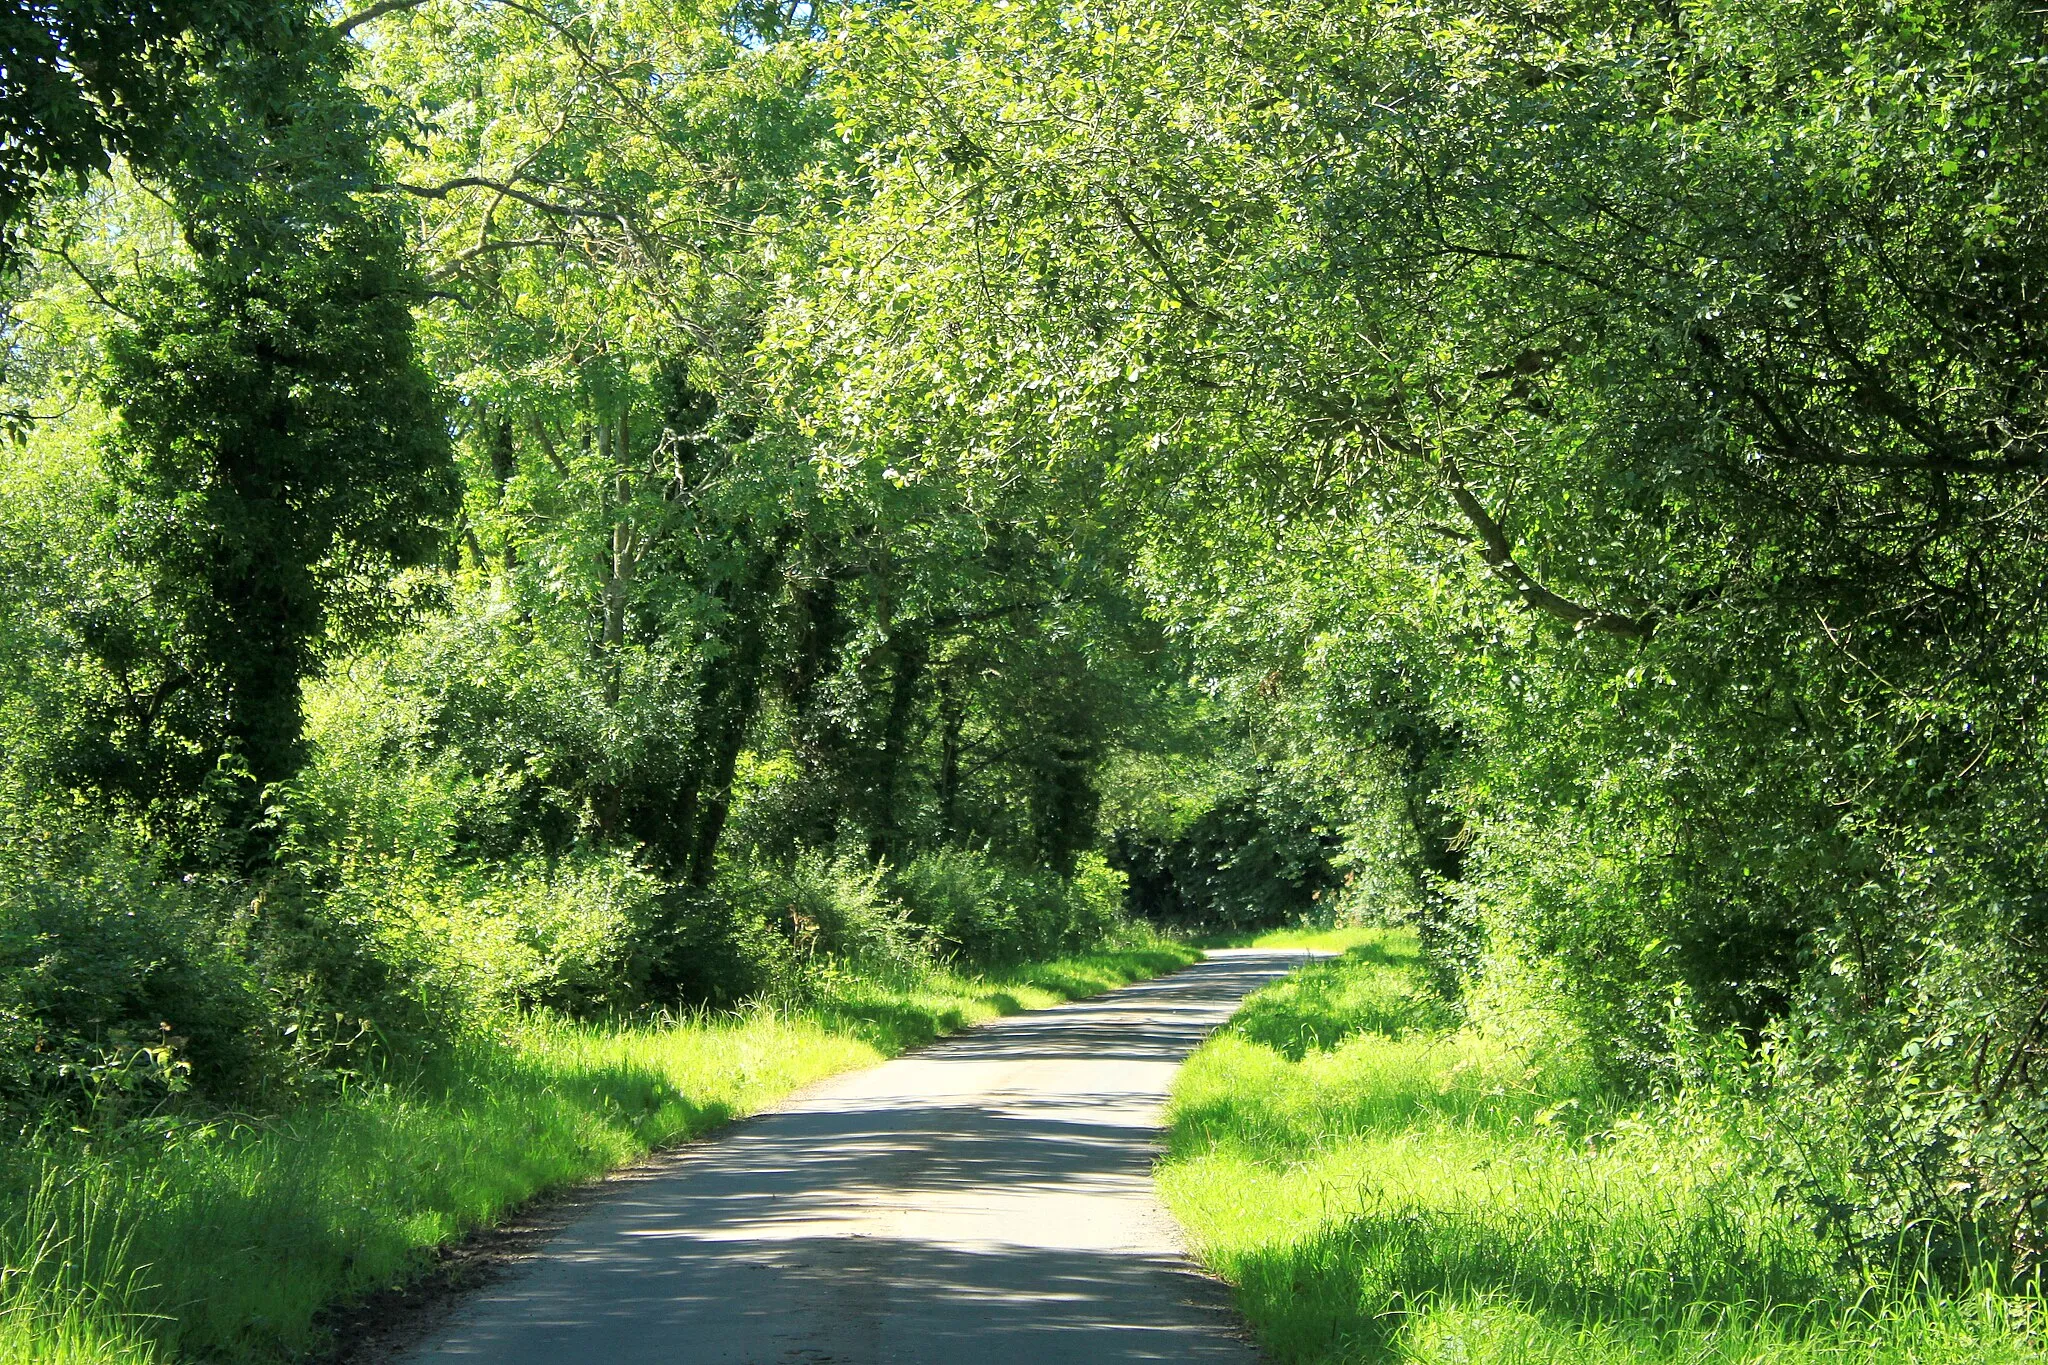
[{"x": 984, "y": 1201}]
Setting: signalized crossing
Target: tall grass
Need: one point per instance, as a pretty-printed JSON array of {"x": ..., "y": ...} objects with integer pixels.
[
  {"x": 223, "y": 1239},
  {"x": 67, "y": 1276},
  {"x": 1384, "y": 1185}
]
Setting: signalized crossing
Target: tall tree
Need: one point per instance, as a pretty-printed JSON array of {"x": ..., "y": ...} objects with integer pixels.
[
  {"x": 1672, "y": 432},
  {"x": 279, "y": 452}
]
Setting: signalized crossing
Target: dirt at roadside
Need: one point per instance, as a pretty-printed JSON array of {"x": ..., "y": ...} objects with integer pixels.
[{"x": 382, "y": 1325}]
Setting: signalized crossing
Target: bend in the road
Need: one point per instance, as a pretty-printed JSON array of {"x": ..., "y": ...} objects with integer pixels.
[{"x": 987, "y": 1197}]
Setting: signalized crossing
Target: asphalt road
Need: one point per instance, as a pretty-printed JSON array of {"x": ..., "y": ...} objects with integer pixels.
[{"x": 986, "y": 1200}]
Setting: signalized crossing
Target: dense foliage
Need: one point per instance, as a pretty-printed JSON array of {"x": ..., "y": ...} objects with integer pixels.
[
  {"x": 605, "y": 507},
  {"x": 1623, "y": 424}
]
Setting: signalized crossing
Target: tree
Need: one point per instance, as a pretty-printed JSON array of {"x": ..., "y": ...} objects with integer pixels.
[
  {"x": 280, "y": 456},
  {"x": 279, "y": 452},
  {"x": 1687, "y": 420}
]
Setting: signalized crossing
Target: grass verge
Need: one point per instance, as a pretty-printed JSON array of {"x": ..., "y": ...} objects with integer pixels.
[
  {"x": 1336, "y": 939},
  {"x": 1382, "y": 1184},
  {"x": 223, "y": 1240}
]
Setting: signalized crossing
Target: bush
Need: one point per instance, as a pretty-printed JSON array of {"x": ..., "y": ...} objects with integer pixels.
[
  {"x": 1096, "y": 894},
  {"x": 117, "y": 993},
  {"x": 816, "y": 907},
  {"x": 393, "y": 841},
  {"x": 335, "y": 994},
  {"x": 576, "y": 936},
  {"x": 988, "y": 912}
]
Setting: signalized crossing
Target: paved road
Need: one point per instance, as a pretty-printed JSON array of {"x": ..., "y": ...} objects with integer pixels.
[{"x": 984, "y": 1201}]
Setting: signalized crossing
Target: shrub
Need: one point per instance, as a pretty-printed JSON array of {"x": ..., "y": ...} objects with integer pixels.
[
  {"x": 819, "y": 907},
  {"x": 576, "y": 936},
  {"x": 394, "y": 842},
  {"x": 117, "y": 992},
  {"x": 1096, "y": 894},
  {"x": 336, "y": 996},
  {"x": 988, "y": 912}
]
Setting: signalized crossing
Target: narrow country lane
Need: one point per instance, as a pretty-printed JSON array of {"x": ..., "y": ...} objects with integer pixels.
[{"x": 986, "y": 1200}]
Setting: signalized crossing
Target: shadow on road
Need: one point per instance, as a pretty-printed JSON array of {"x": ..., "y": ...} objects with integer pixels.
[{"x": 987, "y": 1199}]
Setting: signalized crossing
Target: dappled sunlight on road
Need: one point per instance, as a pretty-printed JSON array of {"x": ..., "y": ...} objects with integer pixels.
[{"x": 988, "y": 1197}]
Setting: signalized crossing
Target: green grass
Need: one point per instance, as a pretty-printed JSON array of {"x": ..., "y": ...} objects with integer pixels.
[
  {"x": 1382, "y": 1185},
  {"x": 223, "y": 1240},
  {"x": 1333, "y": 939}
]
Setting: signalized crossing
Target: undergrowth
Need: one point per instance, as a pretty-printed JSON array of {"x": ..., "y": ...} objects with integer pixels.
[
  {"x": 223, "y": 1239},
  {"x": 1385, "y": 1183}
]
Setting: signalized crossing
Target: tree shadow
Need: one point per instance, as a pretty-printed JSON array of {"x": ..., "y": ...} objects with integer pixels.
[
  {"x": 852, "y": 1300},
  {"x": 971, "y": 1207},
  {"x": 1350, "y": 1288}
]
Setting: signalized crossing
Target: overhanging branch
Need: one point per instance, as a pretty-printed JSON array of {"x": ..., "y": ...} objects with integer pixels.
[
  {"x": 376, "y": 11},
  {"x": 497, "y": 244},
  {"x": 1500, "y": 557},
  {"x": 479, "y": 182}
]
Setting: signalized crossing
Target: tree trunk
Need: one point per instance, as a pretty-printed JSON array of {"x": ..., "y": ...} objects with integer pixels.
[
  {"x": 504, "y": 464},
  {"x": 885, "y": 824},
  {"x": 952, "y": 722},
  {"x": 613, "y": 444},
  {"x": 731, "y": 696}
]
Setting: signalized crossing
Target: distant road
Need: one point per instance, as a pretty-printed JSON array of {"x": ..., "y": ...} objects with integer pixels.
[{"x": 984, "y": 1201}]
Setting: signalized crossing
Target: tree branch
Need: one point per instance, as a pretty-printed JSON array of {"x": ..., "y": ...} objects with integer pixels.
[
  {"x": 1500, "y": 557},
  {"x": 480, "y": 182},
  {"x": 468, "y": 254},
  {"x": 64, "y": 254},
  {"x": 376, "y": 11},
  {"x": 547, "y": 445},
  {"x": 1158, "y": 257}
]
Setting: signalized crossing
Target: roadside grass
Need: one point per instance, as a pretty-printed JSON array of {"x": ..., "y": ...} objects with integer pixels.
[
  {"x": 1382, "y": 1185},
  {"x": 1332, "y": 939},
  {"x": 223, "y": 1239}
]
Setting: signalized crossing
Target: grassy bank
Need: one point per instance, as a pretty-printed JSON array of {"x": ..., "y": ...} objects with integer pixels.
[
  {"x": 1329, "y": 939},
  {"x": 223, "y": 1239},
  {"x": 1382, "y": 1183}
]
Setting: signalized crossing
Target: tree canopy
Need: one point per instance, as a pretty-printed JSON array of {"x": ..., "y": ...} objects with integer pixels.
[{"x": 1565, "y": 472}]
